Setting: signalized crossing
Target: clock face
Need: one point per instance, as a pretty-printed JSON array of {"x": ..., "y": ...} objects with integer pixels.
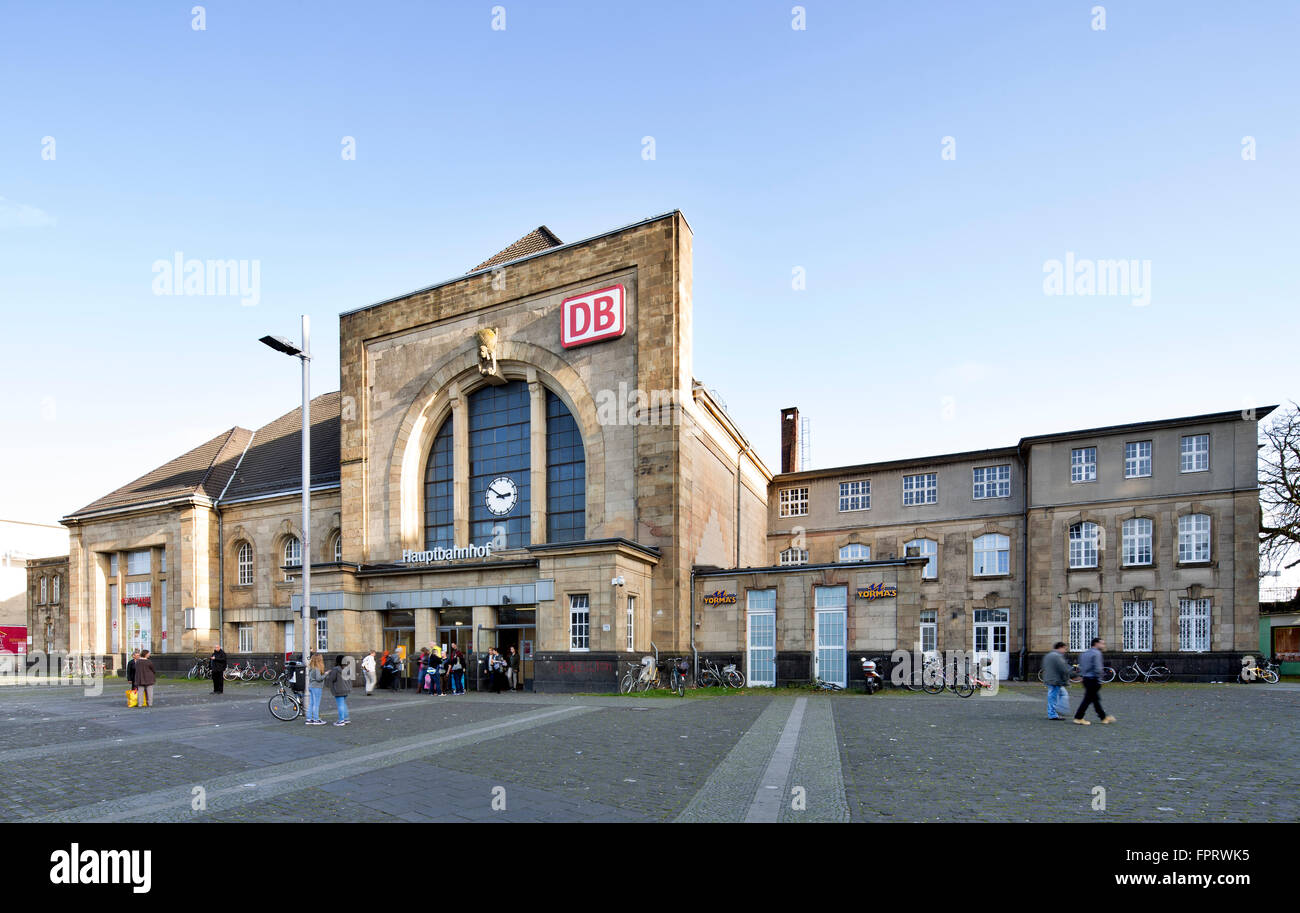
[{"x": 501, "y": 496}]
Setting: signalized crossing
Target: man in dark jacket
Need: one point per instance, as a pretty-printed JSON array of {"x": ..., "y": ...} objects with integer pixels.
[
  {"x": 1091, "y": 663},
  {"x": 130, "y": 669},
  {"x": 219, "y": 662},
  {"x": 1056, "y": 676},
  {"x": 144, "y": 678}
]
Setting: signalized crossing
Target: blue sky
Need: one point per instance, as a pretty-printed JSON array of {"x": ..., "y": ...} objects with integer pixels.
[{"x": 923, "y": 328}]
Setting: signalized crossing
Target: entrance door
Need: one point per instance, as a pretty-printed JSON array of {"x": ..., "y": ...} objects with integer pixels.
[
  {"x": 830, "y": 660},
  {"x": 990, "y": 629},
  {"x": 762, "y": 649}
]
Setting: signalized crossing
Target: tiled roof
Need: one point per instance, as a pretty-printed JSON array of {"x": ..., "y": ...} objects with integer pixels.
[
  {"x": 203, "y": 471},
  {"x": 273, "y": 463},
  {"x": 541, "y": 239}
]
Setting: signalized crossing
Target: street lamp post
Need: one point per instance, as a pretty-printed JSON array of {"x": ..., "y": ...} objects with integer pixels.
[{"x": 280, "y": 344}]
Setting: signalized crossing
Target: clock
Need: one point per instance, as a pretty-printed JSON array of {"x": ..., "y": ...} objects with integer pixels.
[{"x": 501, "y": 496}]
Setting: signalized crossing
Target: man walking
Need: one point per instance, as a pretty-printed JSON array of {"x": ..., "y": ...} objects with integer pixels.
[
  {"x": 1056, "y": 676},
  {"x": 218, "y": 662},
  {"x": 1091, "y": 663}
]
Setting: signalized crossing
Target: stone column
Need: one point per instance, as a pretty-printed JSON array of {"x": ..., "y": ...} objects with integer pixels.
[
  {"x": 426, "y": 627},
  {"x": 537, "y": 458},
  {"x": 486, "y": 616},
  {"x": 460, "y": 464}
]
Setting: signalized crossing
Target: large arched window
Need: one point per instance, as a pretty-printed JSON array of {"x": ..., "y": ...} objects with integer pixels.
[
  {"x": 439, "y": 517},
  {"x": 245, "y": 562},
  {"x": 566, "y": 475}
]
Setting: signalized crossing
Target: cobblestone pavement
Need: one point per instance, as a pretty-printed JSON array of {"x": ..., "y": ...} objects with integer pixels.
[{"x": 1177, "y": 753}]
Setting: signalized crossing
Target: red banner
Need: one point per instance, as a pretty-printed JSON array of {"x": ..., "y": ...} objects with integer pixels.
[{"x": 13, "y": 639}]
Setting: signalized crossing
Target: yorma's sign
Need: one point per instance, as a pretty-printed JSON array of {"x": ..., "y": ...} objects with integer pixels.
[
  {"x": 718, "y": 597},
  {"x": 878, "y": 591},
  {"x": 593, "y": 316}
]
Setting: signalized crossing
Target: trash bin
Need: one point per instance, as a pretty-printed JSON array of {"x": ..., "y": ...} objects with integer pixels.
[{"x": 297, "y": 675}]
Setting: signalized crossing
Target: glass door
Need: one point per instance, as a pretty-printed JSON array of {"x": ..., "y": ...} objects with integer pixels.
[
  {"x": 990, "y": 640},
  {"x": 831, "y": 656},
  {"x": 762, "y": 649}
]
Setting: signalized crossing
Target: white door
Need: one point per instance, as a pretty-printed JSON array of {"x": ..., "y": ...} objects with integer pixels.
[
  {"x": 991, "y": 626},
  {"x": 762, "y": 649},
  {"x": 830, "y": 659}
]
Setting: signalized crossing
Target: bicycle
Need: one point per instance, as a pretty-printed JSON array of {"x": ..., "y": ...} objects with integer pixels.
[
  {"x": 938, "y": 678},
  {"x": 201, "y": 669},
  {"x": 679, "y": 669},
  {"x": 285, "y": 704},
  {"x": 1156, "y": 673},
  {"x": 711, "y": 676},
  {"x": 1268, "y": 673},
  {"x": 823, "y": 685}
]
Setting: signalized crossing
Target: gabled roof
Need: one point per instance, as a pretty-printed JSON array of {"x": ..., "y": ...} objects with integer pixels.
[
  {"x": 202, "y": 472},
  {"x": 273, "y": 463},
  {"x": 534, "y": 242}
]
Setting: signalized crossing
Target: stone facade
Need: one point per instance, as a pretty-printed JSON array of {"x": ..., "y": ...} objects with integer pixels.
[{"x": 47, "y": 604}]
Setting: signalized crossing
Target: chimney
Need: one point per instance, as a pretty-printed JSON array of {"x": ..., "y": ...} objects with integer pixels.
[{"x": 790, "y": 439}]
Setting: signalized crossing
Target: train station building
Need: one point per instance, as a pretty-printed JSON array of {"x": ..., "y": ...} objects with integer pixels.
[{"x": 522, "y": 456}]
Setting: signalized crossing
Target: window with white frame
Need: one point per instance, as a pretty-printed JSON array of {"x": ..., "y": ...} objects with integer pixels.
[
  {"x": 1083, "y": 625},
  {"x": 1084, "y": 539},
  {"x": 760, "y": 610},
  {"x": 45, "y": 590},
  {"x": 1136, "y": 536},
  {"x": 1083, "y": 464},
  {"x": 1195, "y": 453},
  {"x": 992, "y": 555},
  {"x": 112, "y": 565},
  {"x": 55, "y": 589},
  {"x": 1137, "y": 626},
  {"x": 162, "y": 560},
  {"x": 245, "y": 638},
  {"x": 922, "y": 488},
  {"x": 579, "y": 622},
  {"x": 631, "y": 621},
  {"x": 794, "y": 502},
  {"x": 1194, "y": 538},
  {"x": 794, "y": 556},
  {"x": 338, "y": 548},
  {"x": 322, "y": 633},
  {"x": 855, "y": 552},
  {"x": 288, "y": 637},
  {"x": 138, "y": 562},
  {"x": 1193, "y": 625},
  {"x": 929, "y": 630},
  {"x": 1137, "y": 459},
  {"x": 293, "y": 552},
  {"x": 855, "y": 495},
  {"x": 187, "y": 620},
  {"x": 991, "y": 482},
  {"x": 245, "y": 564},
  {"x": 928, "y": 549}
]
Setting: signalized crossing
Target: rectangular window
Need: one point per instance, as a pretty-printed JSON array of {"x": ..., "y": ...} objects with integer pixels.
[
  {"x": 189, "y": 619},
  {"x": 1137, "y": 459},
  {"x": 1085, "y": 540},
  {"x": 929, "y": 630},
  {"x": 1195, "y": 453},
  {"x": 45, "y": 589},
  {"x": 138, "y": 562},
  {"x": 794, "y": 502},
  {"x": 761, "y": 613},
  {"x": 56, "y": 589},
  {"x": 245, "y": 564},
  {"x": 288, "y": 637},
  {"x": 631, "y": 621},
  {"x": 992, "y": 555},
  {"x": 1137, "y": 626},
  {"x": 921, "y": 489},
  {"x": 322, "y": 633},
  {"x": 162, "y": 561},
  {"x": 112, "y": 565},
  {"x": 1194, "y": 538},
  {"x": 245, "y": 638},
  {"x": 1083, "y": 625},
  {"x": 855, "y": 495},
  {"x": 579, "y": 623},
  {"x": 794, "y": 556},
  {"x": 928, "y": 549},
  {"x": 1193, "y": 625},
  {"x": 991, "y": 482},
  {"x": 1083, "y": 464},
  {"x": 830, "y": 597},
  {"x": 114, "y": 607},
  {"x": 139, "y": 615}
]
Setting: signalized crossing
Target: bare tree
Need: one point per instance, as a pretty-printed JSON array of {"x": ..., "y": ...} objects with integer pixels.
[{"x": 1279, "y": 495}]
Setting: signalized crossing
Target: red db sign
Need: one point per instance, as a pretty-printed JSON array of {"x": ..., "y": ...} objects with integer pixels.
[{"x": 593, "y": 316}]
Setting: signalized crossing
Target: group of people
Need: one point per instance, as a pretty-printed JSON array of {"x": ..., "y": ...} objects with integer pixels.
[
  {"x": 1056, "y": 675},
  {"x": 440, "y": 673},
  {"x": 141, "y": 676},
  {"x": 336, "y": 680}
]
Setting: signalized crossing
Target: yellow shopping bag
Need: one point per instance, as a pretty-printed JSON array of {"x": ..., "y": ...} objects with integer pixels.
[{"x": 132, "y": 697}]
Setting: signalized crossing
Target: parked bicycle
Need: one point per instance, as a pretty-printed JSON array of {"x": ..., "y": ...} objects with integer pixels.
[
  {"x": 939, "y": 678},
  {"x": 679, "y": 669},
  {"x": 285, "y": 704},
  {"x": 202, "y": 668},
  {"x": 1254, "y": 672},
  {"x": 820, "y": 684},
  {"x": 1154, "y": 673},
  {"x": 712, "y": 677},
  {"x": 641, "y": 676}
]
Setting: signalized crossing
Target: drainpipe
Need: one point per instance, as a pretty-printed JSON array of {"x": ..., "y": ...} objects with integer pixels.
[
  {"x": 1024, "y": 561},
  {"x": 221, "y": 574},
  {"x": 694, "y": 652}
]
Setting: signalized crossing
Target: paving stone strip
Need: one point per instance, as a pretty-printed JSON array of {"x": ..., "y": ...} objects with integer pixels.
[
  {"x": 233, "y": 790},
  {"x": 770, "y": 795},
  {"x": 817, "y": 773}
]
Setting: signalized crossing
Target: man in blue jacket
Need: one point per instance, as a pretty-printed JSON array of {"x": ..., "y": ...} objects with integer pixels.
[
  {"x": 1056, "y": 676},
  {"x": 1091, "y": 663}
]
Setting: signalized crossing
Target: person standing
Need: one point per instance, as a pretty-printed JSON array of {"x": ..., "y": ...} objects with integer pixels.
[
  {"x": 368, "y": 672},
  {"x": 218, "y": 662},
  {"x": 145, "y": 678},
  {"x": 130, "y": 669},
  {"x": 457, "y": 660},
  {"x": 494, "y": 665},
  {"x": 435, "y": 670},
  {"x": 340, "y": 687},
  {"x": 315, "y": 684},
  {"x": 1090, "y": 665},
  {"x": 421, "y": 664},
  {"x": 513, "y": 668},
  {"x": 1056, "y": 676}
]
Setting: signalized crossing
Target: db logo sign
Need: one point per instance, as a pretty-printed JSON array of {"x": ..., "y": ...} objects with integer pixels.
[{"x": 593, "y": 317}]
